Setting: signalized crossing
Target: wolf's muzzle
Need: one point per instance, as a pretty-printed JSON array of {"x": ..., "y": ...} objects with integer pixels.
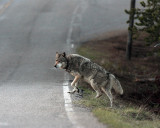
[
  {"x": 59, "y": 65},
  {"x": 55, "y": 66}
]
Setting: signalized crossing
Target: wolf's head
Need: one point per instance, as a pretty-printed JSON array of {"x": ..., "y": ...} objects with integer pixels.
[{"x": 61, "y": 61}]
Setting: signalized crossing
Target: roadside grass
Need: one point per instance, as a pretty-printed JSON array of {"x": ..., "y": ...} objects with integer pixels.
[
  {"x": 122, "y": 115},
  {"x": 90, "y": 53},
  {"x": 131, "y": 111},
  {"x": 97, "y": 56}
]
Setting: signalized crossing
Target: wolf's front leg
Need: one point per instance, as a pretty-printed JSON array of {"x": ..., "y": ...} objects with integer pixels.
[{"x": 74, "y": 84}]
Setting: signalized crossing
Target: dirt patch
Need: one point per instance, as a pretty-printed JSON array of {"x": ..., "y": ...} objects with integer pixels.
[{"x": 145, "y": 63}]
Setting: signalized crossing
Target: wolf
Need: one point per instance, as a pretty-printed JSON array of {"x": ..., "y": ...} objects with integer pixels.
[{"x": 83, "y": 68}]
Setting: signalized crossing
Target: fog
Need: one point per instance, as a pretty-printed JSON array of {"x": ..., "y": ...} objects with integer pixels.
[{"x": 94, "y": 17}]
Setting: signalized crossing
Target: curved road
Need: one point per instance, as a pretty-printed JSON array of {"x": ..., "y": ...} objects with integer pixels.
[{"x": 31, "y": 31}]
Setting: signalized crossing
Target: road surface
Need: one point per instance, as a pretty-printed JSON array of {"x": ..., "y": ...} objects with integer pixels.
[{"x": 31, "y": 31}]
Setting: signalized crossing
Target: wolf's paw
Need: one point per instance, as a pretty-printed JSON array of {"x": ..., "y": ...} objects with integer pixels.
[{"x": 72, "y": 92}]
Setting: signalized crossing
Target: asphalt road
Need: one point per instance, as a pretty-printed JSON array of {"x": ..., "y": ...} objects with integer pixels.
[{"x": 31, "y": 31}]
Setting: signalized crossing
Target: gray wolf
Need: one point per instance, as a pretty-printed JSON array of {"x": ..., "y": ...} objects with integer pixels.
[{"x": 83, "y": 68}]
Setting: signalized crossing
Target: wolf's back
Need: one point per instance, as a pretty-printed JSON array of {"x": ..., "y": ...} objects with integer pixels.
[{"x": 115, "y": 84}]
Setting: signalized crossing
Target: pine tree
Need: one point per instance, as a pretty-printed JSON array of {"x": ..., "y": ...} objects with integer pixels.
[{"x": 148, "y": 19}]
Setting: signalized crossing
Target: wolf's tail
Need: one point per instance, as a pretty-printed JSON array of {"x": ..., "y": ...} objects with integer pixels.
[{"x": 115, "y": 84}]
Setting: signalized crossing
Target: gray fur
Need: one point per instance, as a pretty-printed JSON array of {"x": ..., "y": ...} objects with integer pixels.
[{"x": 92, "y": 73}]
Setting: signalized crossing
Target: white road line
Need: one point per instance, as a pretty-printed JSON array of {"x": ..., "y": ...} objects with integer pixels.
[
  {"x": 78, "y": 12},
  {"x": 68, "y": 106},
  {"x": 72, "y": 45}
]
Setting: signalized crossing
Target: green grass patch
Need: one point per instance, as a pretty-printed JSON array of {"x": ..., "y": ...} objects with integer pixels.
[
  {"x": 101, "y": 59},
  {"x": 89, "y": 53},
  {"x": 111, "y": 118},
  {"x": 123, "y": 114},
  {"x": 97, "y": 56},
  {"x": 120, "y": 116}
]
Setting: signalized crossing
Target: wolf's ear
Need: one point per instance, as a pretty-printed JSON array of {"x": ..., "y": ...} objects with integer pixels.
[{"x": 64, "y": 54}]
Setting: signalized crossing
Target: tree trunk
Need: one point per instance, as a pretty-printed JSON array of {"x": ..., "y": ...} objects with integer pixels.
[{"x": 130, "y": 30}]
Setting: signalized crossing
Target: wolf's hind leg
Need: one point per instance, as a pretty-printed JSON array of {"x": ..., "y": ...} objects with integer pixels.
[
  {"x": 109, "y": 94},
  {"x": 96, "y": 88}
]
